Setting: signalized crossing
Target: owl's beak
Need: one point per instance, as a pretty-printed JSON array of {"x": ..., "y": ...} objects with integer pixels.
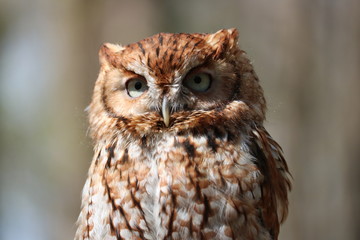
[{"x": 165, "y": 110}]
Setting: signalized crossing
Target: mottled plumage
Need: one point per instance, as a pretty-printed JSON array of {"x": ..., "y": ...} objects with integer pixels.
[{"x": 180, "y": 147}]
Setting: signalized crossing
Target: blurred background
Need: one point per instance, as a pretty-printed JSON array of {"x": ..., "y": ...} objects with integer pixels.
[{"x": 306, "y": 53}]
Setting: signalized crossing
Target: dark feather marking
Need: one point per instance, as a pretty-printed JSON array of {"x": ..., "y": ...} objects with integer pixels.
[
  {"x": 219, "y": 133},
  {"x": 140, "y": 231},
  {"x": 141, "y": 48},
  {"x": 97, "y": 158},
  {"x": 110, "y": 151},
  {"x": 110, "y": 112},
  {"x": 88, "y": 212},
  {"x": 125, "y": 157},
  {"x": 171, "y": 57},
  {"x": 230, "y": 137},
  {"x": 240, "y": 188},
  {"x": 122, "y": 119},
  {"x": 211, "y": 141},
  {"x": 191, "y": 226},
  {"x": 160, "y": 37},
  {"x": 148, "y": 61},
  {"x": 185, "y": 47},
  {"x": 137, "y": 204},
  {"x": 108, "y": 192},
  {"x": 113, "y": 230},
  {"x": 107, "y": 108},
  {"x": 207, "y": 210},
  {"x": 159, "y": 68},
  {"x": 113, "y": 205},
  {"x": 157, "y": 51},
  {"x": 120, "y": 174},
  {"x": 189, "y": 148},
  {"x": 222, "y": 179},
  {"x": 165, "y": 55},
  {"x": 198, "y": 42},
  {"x": 198, "y": 194},
  {"x": 143, "y": 141},
  {"x": 128, "y": 180},
  {"x": 172, "y": 215},
  {"x": 121, "y": 210},
  {"x": 196, "y": 131},
  {"x": 194, "y": 46}
]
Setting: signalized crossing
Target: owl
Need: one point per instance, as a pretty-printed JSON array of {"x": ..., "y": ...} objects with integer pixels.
[{"x": 180, "y": 151}]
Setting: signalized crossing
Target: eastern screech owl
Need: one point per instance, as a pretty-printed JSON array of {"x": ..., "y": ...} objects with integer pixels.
[{"x": 180, "y": 147}]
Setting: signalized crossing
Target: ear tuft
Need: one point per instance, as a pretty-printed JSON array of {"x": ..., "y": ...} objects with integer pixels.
[
  {"x": 108, "y": 52},
  {"x": 233, "y": 35},
  {"x": 223, "y": 41}
]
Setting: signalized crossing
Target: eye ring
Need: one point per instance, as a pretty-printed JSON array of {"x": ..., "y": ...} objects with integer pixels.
[
  {"x": 198, "y": 81},
  {"x": 135, "y": 87}
]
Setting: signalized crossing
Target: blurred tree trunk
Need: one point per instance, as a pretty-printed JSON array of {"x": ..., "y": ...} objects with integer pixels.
[{"x": 325, "y": 119}]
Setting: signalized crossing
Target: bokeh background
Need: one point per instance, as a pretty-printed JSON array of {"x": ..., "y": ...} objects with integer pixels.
[{"x": 306, "y": 53}]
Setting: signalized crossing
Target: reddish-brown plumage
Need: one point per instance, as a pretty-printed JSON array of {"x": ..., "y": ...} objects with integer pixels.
[{"x": 210, "y": 172}]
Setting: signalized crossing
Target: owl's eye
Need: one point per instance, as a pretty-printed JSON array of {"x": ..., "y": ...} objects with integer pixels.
[
  {"x": 199, "y": 82},
  {"x": 136, "y": 87}
]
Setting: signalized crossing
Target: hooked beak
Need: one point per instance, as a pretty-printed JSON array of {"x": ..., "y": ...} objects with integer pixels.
[{"x": 165, "y": 109}]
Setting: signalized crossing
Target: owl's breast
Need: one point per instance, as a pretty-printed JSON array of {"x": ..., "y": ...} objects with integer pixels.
[
  {"x": 183, "y": 186},
  {"x": 198, "y": 185}
]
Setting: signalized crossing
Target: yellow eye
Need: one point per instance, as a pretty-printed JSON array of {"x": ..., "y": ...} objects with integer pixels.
[
  {"x": 199, "y": 82},
  {"x": 136, "y": 87}
]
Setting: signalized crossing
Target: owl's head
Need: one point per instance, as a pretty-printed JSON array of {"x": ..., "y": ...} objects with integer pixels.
[{"x": 173, "y": 82}]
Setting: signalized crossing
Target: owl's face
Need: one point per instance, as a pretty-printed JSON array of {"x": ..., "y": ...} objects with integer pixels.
[{"x": 168, "y": 75}]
